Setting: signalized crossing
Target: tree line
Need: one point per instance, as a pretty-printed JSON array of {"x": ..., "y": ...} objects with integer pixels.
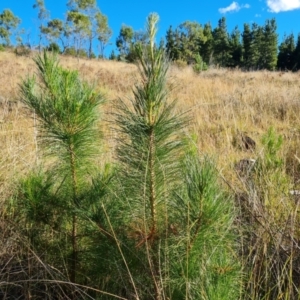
[{"x": 86, "y": 29}]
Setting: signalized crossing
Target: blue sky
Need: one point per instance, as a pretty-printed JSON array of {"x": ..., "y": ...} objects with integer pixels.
[{"x": 134, "y": 13}]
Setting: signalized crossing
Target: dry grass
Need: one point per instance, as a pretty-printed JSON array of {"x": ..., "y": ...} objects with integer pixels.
[{"x": 220, "y": 104}]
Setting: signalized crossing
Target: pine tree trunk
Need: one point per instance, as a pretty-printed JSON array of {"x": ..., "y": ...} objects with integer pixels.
[{"x": 74, "y": 219}]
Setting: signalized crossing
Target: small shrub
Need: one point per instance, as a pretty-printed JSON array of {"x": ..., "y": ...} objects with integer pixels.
[
  {"x": 112, "y": 56},
  {"x": 53, "y": 47},
  {"x": 82, "y": 53},
  {"x": 199, "y": 65},
  {"x": 70, "y": 51},
  {"x": 180, "y": 63},
  {"x": 73, "y": 52},
  {"x": 269, "y": 223},
  {"x": 22, "y": 50}
]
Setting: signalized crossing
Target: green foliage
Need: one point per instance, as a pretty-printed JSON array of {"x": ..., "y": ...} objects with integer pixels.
[
  {"x": 260, "y": 46},
  {"x": 269, "y": 45},
  {"x": 221, "y": 44},
  {"x": 191, "y": 36},
  {"x": 43, "y": 13},
  {"x": 206, "y": 256},
  {"x": 54, "y": 31},
  {"x": 124, "y": 40},
  {"x": 297, "y": 54},
  {"x": 186, "y": 42},
  {"x": 286, "y": 56},
  {"x": 172, "y": 205},
  {"x": 66, "y": 109},
  {"x": 269, "y": 218},
  {"x": 53, "y": 47},
  {"x": 272, "y": 144},
  {"x": 173, "y": 238},
  {"x": 8, "y": 23},
  {"x": 43, "y": 16},
  {"x": 172, "y": 44},
  {"x": 112, "y": 55},
  {"x": 128, "y": 41},
  {"x": 81, "y": 4},
  {"x": 200, "y": 65},
  {"x": 72, "y": 51},
  {"x": 103, "y": 32},
  {"x": 236, "y": 49},
  {"x": 79, "y": 27}
]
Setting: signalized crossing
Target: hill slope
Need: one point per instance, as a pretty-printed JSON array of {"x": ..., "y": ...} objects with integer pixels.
[{"x": 221, "y": 104}]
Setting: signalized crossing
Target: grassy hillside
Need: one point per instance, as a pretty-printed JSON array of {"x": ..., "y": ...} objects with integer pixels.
[
  {"x": 247, "y": 121},
  {"x": 220, "y": 105}
]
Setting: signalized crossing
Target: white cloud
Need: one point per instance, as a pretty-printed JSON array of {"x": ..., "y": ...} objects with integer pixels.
[
  {"x": 282, "y": 5},
  {"x": 233, "y": 7},
  {"x": 257, "y": 16}
]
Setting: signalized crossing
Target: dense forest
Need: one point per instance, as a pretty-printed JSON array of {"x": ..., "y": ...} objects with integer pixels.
[{"x": 85, "y": 31}]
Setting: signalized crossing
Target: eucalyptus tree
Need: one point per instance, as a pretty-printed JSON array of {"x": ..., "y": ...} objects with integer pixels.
[
  {"x": 43, "y": 16},
  {"x": 103, "y": 32},
  {"x": 8, "y": 23},
  {"x": 94, "y": 24},
  {"x": 55, "y": 32},
  {"x": 124, "y": 40},
  {"x": 78, "y": 28}
]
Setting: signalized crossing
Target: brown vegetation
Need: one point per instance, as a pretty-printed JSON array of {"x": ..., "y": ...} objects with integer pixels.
[{"x": 221, "y": 105}]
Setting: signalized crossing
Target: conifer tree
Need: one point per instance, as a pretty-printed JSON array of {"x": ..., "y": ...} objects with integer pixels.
[
  {"x": 191, "y": 37},
  {"x": 247, "y": 42},
  {"x": 173, "y": 44},
  {"x": 236, "y": 50},
  {"x": 221, "y": 43},
  {"x": 257, "y": 57},
  {"x": 269, "y": 43},
  {"x": 297, "y": 54},
  {"x": 206, "y": 46},
  {"x": 173, "y": 210},
  {"x": 57, "y": 199},
  {"x": 286, "y": 55}
]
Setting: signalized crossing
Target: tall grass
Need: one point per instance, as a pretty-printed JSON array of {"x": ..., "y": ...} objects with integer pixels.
[{"x": 114, "y": 232}]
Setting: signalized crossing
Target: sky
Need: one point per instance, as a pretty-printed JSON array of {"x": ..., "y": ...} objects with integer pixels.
[{"x": 175, "y": 12}]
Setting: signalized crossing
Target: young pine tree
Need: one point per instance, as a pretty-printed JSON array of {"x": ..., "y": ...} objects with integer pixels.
[
  {"x": 56, "y": 200},
  {"x": 176, "y": 220}
]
